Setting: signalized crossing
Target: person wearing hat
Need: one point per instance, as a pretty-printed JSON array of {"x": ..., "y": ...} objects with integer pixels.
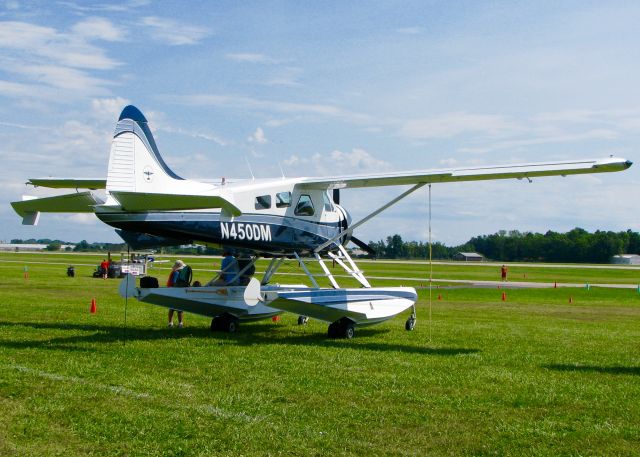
[{"x": 171, "y": 282}]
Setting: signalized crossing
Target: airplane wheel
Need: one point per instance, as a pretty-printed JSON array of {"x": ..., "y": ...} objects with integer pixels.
[
  {"x": 410, "y": 324},
  {"x": 232, "y": 325},
  {"x": 302, "y": 320},
  {"x": 348, "y": 331},
  {"x": 342, "y": 329},
  {"x": 224, "y": 323}
]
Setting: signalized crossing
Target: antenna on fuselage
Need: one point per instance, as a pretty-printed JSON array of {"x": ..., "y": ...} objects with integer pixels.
[
  {"x": 250, "y": 170},
  {"x": 281, "y": 170}
]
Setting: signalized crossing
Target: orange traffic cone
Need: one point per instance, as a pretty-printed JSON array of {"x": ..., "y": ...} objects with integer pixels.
[
  {"x": 94, "y": 308},
  {"x": 439, "y": 296},
  {"x": 504, "y": 296},
  {"x": 275, "y": 318}
]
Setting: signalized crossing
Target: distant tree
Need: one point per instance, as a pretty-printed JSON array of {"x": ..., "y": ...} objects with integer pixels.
[
  {"x": 54, "y": 246},
  {"x": 82, "y": 246}
]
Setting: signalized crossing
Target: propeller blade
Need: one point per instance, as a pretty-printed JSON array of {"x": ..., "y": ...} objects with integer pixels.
[{"x": 364, "y": 246}]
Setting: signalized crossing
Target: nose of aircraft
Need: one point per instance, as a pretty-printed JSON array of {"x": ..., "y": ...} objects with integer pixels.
[{"x": 345, "y": 217}]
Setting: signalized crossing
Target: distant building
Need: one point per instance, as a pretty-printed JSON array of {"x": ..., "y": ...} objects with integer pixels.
[
  {"x": 358, "y": 253},
  {"x": 626, "y": 259},
  {"x": 29, "y": 247},
  {"x": 468, "y": 257}
]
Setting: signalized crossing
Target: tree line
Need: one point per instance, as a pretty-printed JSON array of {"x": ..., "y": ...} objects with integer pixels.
[{"x": 574, "y": 246}]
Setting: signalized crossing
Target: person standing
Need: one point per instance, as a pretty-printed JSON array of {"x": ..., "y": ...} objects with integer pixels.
[
  {"x": 173, "y": 280},
  {"x": 104, "y": 266},
  {"x": 503, "y": 272}
]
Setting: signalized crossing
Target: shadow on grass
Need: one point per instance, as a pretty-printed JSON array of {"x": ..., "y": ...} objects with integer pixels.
[
  {"x": 251, "y": 334},
  {"x": 596, "y": 369}
]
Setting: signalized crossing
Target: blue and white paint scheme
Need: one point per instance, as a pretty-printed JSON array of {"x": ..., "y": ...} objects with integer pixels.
[{"x": 149, "y": 204}]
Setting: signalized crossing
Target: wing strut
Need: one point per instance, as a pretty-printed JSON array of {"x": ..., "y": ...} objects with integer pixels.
[{"x": 352, "y": 227}]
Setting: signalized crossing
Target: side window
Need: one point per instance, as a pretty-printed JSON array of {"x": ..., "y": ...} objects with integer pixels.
[
  {"x": 304, "y": 206},
  {"x": 283, "y": 199},
  {"x": 328, "y": 206},
  {"x": 263, "y": 202}
]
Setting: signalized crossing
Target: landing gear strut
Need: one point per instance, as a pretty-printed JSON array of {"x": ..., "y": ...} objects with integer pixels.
[
  {"x": 411, "y": 321},
  {"x": 343, "y": 328},
  {"x": 224, "y": 323}
]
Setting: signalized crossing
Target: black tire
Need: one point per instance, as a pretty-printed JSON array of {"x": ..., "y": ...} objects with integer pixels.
[
  {"x": 232, "y": 325},
  {"x": 302, "y": 320},
  {"x": 215, "y": 324},
  {"x": 410, "y": 324},
  {"x": 332, "y": 331},
  {"x": 348, "y": 331}
]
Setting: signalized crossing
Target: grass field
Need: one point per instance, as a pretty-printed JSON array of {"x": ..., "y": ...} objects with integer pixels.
[{"x": 532, "y": 375}]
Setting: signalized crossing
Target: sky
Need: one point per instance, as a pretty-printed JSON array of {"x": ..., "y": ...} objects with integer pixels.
[{"x": 326, "y": 88}]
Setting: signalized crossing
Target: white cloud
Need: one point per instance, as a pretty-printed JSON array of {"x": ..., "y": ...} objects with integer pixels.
[
  {"x": 13, "y": 89},
  {"x": 288, "y": 76},
  {"x": 98, "y": 28},
  {"x": 194, "y": 134},
  {"x": 37, "y": 42},
  {"x": 23, "y": 126},
  {"x": 336, "y": 163},
  {"x": 411, "y": 30},
  {"x": 251, "y": 58},
  {"x": 122, "y": 6},
  {"x": 173, "y": 32},
  {"x": 258, "y": 137},
  {"x": 108, "y": 109},
  {"x": 55, "y": 65},
  {"x": 453, "y": 124},
  {"x": 279, "y": 122},
  {"x": 62, "y": 77},
  {"x": 240, "y": 102},
  {"x": 595, "y": 134},
  {"x": 22, "y": 35}
]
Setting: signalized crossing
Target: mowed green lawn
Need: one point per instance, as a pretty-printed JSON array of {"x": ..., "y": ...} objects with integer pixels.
[{"x": 531, "y": 375}]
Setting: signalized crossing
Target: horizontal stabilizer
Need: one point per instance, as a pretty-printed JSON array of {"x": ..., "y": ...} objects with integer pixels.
[
  {"x": 30, "y": 207},
  {"x": 140, "y": 201},
  {"x": 68, "y": 183}
]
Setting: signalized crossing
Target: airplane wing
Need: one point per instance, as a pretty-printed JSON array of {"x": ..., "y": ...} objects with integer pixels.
[
  {"x": 68, "y": 183},
  {"x": 30, "y": 207},
  {"x": 518, "y": 171},
  {"x": 140, "y": 201}
]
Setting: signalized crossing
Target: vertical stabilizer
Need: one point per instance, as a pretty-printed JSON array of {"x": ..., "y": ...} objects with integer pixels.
[{"x": 135, "y": 165}]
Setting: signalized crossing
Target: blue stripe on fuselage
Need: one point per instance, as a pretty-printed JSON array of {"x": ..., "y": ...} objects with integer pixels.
[{"x": 260, "y": 232}]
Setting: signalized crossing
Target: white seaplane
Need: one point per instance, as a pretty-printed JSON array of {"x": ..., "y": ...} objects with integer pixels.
[{"x": 277, "y": 218}]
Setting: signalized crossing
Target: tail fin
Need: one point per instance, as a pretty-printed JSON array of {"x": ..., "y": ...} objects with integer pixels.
[{"x": 135, "y": 165}]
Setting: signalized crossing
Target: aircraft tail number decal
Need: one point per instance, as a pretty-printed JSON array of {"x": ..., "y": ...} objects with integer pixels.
[{"x": 245, "y": 231}]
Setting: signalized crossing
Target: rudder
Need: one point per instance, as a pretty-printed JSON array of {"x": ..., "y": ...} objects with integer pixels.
[{"x": 135, "y": 164}]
